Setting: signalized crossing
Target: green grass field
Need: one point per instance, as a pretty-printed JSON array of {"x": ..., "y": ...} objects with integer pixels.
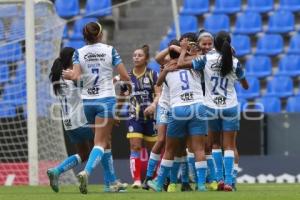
[{"x": 245, "y": 192}]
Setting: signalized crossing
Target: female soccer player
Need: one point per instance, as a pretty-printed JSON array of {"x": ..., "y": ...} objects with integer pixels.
[
  {"x": 74, "y": 120},
  {"x": 142, "y": 107},
  {"x": 187, "y": 117},
  {"x": 94, "y": 64},
  {"x": 221, "y": 70}
]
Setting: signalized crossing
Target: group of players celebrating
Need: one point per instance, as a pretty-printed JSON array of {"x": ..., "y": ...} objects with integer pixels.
[{"x": 188, "y": 115}]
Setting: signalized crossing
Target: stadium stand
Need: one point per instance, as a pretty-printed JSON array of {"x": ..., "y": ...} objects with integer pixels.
[
  {"x": 281, "y": 21},
  {"x": 294, "y": 45},
  {"x": 252, "y": 92},
  {"x": 291, "y": 5},
  {"x": 217, "y": 22},
  {"x": 192, "y": 7},
  {"x": 260, "y": 6},
  {"x": 270, "y": 45},
  {"x": 289, "y": 65},
  {"x": 241, "y": 44},
  {"x": 293, "y": 104},
  {"x": 280, "y": 86},
  {"x": 248, "y": 23},
  {"x": 188, "y": 23},
  {"x": 227, "y": 7},
  {"x": 78, "y": 26},
  {"x": 259, "y": 66},
  {"x": 96, "y": 8},
  {"x": 269, "y": 104},
  {"x": 67, "y": 8}
]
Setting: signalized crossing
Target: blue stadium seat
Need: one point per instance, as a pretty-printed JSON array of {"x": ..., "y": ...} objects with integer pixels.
[
  {"x": 281, "y": 22},
  {"x": 294, "y": 46},
  {"x": 164, "y": 43},
  {"x": 4, "y": 73},
  {"x": 252, "y": 92},
  {"x": 96, "y": 8},
  {"x": 217, "y": 22},
  {"x": 259, "y": 66},
  {"x": 241, "y": 44},
  {"x": 78, "y": 27},
  {"x": 192, "y": 7},
  {"x": 260, "y": 6},
  {"x": 269, "y": 44},
  {"x": 293, "y": 104},
  {"x": 7, "y": 109},
  {"x": 227, "y": 6},
  {"x": 16, "y": 30},
  {"x": 8, "y": 11},
  {"x": 291, "y": 5},
  {"x": 2, "y": 31},
  {"x": 76, "y": 44},
  {"x": 65, "y": 33},
  {"x": 248, "y": 23},
  {"x": 188, "y": 23},
  {"x": 154, "y": 65},
  {"x": 67, "y": 8},
  {"x": 11, "y": 52},
  {"x": 289, "y": 65},
  {"x": 269, "y": 104},
  {"x": 280, "y": 86},
  {"x": 242, "y": 103}
]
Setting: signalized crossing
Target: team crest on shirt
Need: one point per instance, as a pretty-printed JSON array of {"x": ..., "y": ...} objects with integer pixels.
[
  {"x": 130, "y": 128},
  {"x": 146, "y": 80},
  {"x": 220, "y": 100}
]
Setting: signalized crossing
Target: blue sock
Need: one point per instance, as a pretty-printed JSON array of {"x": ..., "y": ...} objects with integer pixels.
[
  {"x": 94, "y": 159},
  {"x": 174, "y": 170},
  {"x": 108, "y": 167},
  {"x": 201, "y": 168},
  {"x": 217, "y": 155},
  {"x": 228, "y": 165},
  {"x": 164, "y": 170},
  {"x": 68, "y": 163},
  {"x": 211, "y": 170},
  {"x": 191, "y": 163},
  {"x": 152, "y": 164},
  {"x": 235, "y": 173},
  {"x": 184, "y": 170}
]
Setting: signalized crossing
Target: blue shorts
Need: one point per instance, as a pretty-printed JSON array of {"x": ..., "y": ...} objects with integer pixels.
[
  {"x": 227, "y": 119},
  {"x": 103, "y": 108},
  {"x": 190, "y": 119},
  {"x": 80, "y": 135},
  {"x": 144, "y": 129},
  {"x": 162, "y": 115}
]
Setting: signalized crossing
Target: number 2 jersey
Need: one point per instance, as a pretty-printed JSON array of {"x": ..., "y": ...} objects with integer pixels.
[
  {"x": 71, "y": 105},
  {"x": 97, "y": 62},
  {"x": 219, "y": 91},
  {"x": 184, "y": 87}
]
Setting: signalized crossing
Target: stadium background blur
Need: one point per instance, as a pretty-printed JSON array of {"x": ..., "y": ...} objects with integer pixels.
[{"x": 265, "y": 36}]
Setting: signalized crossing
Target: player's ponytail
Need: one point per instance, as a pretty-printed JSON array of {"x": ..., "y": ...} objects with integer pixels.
[
  {"x": 64, "y": 61},
  {"x": 222, "y": 45},
  {"x": 146, "y": 50}
]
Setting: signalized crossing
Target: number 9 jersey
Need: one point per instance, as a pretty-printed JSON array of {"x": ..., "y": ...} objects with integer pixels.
[
  {"x": 97, "y": 62},
  {"x": 219, "y": 91}
]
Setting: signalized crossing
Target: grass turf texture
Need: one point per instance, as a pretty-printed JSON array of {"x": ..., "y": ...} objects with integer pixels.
[{"x": 245, "y": 192}]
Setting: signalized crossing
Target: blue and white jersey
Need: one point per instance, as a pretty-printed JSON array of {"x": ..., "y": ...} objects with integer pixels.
[
  {"x": 71, "y": 105},
  {"x": 164, "y": 99},
  {"x": 97, "y": 62},
  {"x": 219, "y": 91},
  {"x": 184, "y": 87}
]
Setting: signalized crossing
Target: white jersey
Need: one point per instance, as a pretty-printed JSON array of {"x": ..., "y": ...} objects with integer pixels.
[
  {"x": 164, "y": 99},
  {"x": 97, "y": 62},
  {"x": 71, "y": 105},
  {"x": 219, "y": 91},
  {"x": 185, "y": 87}
]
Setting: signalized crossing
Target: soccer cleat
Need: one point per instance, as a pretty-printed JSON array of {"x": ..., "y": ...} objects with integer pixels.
[
  {"x": 166, "y": 184},
  {"x": 227, "y": 188},
  {"x": 213, "y": 186},
  {"x": 118, "y": 186},
  {"x": 153, "y": 185},
  {"x": 201, "y": 188},
  {"x": 83, "y": 181},
  {"x": 53, "y": 176},
  {"x": 221, "y": 185},
  {"x": 171, "y": 187},
  {"x": 145, "y": 185},
  {"x": 186, "y": 187},
  {"x": 136, "y": 185}
]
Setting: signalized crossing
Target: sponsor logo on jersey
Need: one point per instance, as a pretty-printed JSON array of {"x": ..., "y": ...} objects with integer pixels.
[
  {"x": 67, "y": 123},
  {"x": 220, "y": 100},
  {"x": 93, "y": 91},
  {"x": 130, "y": 129},
  {"x": 146, "y": 80},
  {"x": 94, "y": 56},
  {"x": 188, "y": 96},
  {"x": 215, "y": 67}
]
